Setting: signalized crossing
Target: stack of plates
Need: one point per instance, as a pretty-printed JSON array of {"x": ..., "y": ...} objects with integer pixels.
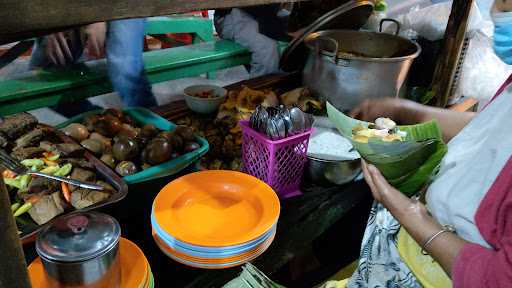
[
  {"x": 215, "y": 219},
  {"x": 135, "y": 270}
]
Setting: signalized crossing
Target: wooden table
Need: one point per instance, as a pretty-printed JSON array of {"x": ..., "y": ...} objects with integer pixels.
[
  {"x": 22, "y": 19},
  {"x": 327, "y": 220}
]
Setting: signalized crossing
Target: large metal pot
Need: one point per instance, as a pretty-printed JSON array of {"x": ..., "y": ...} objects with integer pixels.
[
  {"x": 81, "y": 250},
  {"x": 346, "y": 67}
]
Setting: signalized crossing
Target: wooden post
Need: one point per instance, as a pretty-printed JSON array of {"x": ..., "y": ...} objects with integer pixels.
[
  {"x": 450, "y": 53},
  {"x": 13, "y": 270}
]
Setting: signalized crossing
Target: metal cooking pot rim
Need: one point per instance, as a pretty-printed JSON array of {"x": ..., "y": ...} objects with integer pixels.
[
  {"x": 78, "y": 237},
  {"x": 309, "y": 39},
  {"x": 331, "y": 161},
  {"x": 94, "y": 258}
]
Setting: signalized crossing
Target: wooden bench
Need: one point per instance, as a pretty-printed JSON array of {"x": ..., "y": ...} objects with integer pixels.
[{"x": 42, "y": 88}]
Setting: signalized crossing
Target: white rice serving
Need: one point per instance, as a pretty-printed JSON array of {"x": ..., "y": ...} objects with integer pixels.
[{"x": 328, "y": 144}]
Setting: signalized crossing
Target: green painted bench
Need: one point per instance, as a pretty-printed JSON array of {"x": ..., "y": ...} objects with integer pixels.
[
  {"x": 42, "y": 88},
  {"x": 201, "y": 28}
]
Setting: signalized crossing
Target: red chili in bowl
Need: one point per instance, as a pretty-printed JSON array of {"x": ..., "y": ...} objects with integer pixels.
[{"x": 206, "y": 94}]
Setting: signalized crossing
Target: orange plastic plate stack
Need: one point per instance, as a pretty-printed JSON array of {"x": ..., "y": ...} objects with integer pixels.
[{"x": 215, "y": 219}]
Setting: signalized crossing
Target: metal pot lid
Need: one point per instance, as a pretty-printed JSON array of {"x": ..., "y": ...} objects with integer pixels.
[
  {"x": 351, "y": 15},
  {"x": 78, "y": 237}
]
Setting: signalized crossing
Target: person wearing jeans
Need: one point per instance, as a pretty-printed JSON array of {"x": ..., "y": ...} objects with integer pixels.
[{"x": 123, "y": 41}]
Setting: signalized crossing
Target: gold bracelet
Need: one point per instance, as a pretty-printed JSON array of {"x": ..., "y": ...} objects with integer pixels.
[{"x": 446, "y": 228}]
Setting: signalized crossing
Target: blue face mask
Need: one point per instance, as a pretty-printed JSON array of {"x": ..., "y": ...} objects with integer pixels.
[{"x": 503, "y": 36}]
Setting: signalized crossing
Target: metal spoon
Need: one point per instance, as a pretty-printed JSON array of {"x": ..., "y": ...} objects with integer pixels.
[
  {"x": 288, "y": 123},
  {"x": 271, "y": 130},
  {"x": 281, "y": 127},
  {"x": 297, "y": 117}
]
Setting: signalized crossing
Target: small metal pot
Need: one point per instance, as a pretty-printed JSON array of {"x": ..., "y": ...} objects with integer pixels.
[
  {"x": 81, "y": 250},
  {"x": 328, "y": 172}
]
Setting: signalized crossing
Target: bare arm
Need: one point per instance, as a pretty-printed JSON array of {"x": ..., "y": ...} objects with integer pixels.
[
  {"x": 451, "y": 122},
  {"x": 414, "y": 217},
  {"x": 408, "y": 112}
]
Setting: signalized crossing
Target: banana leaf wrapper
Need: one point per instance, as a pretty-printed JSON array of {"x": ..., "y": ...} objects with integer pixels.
[
  {"x": 407, "y": 165},
  {"x": 251, "y": 277}
]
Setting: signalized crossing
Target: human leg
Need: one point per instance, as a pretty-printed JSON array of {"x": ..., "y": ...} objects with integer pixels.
[
  {"x": 243, "y": 29},
  {"x": 125, "y": 64}
]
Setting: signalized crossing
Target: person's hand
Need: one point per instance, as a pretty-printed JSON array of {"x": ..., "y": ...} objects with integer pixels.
[
  {"x": 369, "y": 110},
  {"x": 502, "y": 5},
  {"x": 389, "y": 196},
  {"x": 402, "y": 111},
  {"x": 95, "y": 41},
  {"x": 296, "y": 34},
  {"x": 58, "y": 50},
  {"x": 382, "y": 191}
]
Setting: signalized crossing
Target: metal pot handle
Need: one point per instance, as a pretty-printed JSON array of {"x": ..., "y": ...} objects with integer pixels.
[
  {"x": 332, "y": 41},
  {"x": 390, "y": 20}
]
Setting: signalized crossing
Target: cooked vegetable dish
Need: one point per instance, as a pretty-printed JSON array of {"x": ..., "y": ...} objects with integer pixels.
[{"x": 40, "y": 148}]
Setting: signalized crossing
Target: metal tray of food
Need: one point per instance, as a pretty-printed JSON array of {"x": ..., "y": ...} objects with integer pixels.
[{"x": 28, "y": 144}]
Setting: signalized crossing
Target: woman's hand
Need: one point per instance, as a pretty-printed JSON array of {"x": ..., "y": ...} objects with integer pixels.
[
  {"x": 381, "y": 190},
  {"x": 396, "y": 202},
  {"x": 413, "y": 216},
  {"x": 369, "y": 110},
  {"x": 399, "y": 110},
  {"x": 406, "y": 112}
]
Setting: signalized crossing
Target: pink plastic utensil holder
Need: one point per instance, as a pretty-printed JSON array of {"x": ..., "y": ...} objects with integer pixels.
[{"x": 279, "y": 163}]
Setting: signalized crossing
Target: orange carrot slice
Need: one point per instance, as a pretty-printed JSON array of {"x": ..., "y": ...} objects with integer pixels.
[{"x": 65, "y": 191}]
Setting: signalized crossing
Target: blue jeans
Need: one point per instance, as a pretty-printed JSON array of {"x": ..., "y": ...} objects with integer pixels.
[{"x": 124, "y": 47}]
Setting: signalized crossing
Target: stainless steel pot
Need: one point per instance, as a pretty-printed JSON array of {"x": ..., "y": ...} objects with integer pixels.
[
  {"x": 81, "y": 250},
  {"x": 324, "y": 172},
  {"x": 346, "y": 67},
  {"x": 325, "y": 169}
]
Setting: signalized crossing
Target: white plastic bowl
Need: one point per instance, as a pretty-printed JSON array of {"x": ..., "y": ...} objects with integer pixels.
[{"x": 204, "y": 105}]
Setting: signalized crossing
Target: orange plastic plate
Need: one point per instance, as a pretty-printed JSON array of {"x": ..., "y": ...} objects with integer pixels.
[
  {"x": 249, "y": 254},
  {"x": 216, "y": 208},
  {"x": 212, "y": 265}
]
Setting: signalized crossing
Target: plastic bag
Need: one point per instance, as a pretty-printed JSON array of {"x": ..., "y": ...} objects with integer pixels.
[
  {"x": 430, "y": 22},
  {"x": 483, "y": 72}
]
